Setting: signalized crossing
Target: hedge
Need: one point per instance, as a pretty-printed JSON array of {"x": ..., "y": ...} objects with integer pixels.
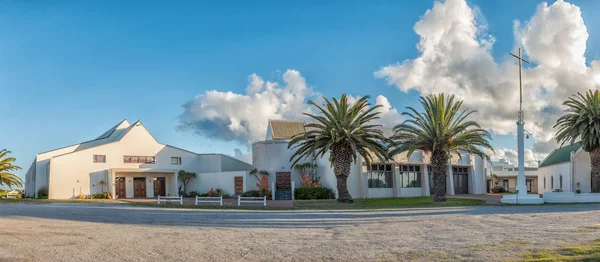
[{"x": 313, "y": 193}]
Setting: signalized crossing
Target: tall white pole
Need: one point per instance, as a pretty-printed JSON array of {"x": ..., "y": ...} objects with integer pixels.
[
  {"x": 521, "y": 187},
  {"x": 521, "y": 183}
]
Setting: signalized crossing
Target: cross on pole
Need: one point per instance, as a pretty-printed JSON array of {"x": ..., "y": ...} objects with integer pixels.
[{"x": 520, "y": 58}]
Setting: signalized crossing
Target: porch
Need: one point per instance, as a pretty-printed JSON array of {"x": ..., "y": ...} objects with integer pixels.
[{"x": 142, "y": 182}]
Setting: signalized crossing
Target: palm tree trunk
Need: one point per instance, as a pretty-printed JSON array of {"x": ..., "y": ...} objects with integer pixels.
[
  {"x": 595, "y": 159},
  {"x": 342, "y": 160},
  {"x": 439, "y": 166}
]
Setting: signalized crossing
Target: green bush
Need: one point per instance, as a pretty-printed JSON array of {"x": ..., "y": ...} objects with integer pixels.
[
  {"x": 100, "y": 195},
  {"x": 42, "y": 193},
  {"x": 313, "y": 193},
  {"x": 3, "y": 193},
  {"x": 257, "y": 193},
  {"x": 497, "y": 189}
]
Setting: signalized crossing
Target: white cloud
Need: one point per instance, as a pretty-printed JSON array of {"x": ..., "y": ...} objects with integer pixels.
[
  {"x": 455, "y": 58},
  {"x": 531, "y": 158},
  {"x": 244, "y": 117}
]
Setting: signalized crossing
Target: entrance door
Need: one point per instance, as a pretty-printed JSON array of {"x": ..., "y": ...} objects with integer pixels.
[
  {"x": 461, "y": 180},
  {"x": 283, "y": 181},
  {"x": 139, "y": 187},
  {"x": 239, "y": 184},
  {"x": 159, "y": 187},
  {"x": 528, "y": 183},
  {"x": 120, "y": 187}
]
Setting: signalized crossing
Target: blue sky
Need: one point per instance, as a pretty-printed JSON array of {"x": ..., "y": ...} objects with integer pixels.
[{"x": 72, "y": 69}]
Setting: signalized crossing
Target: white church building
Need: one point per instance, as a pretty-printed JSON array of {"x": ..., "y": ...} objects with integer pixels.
[
  {"x": 565, "y": 176},
  {"x": 405, "y": 176},
  {"x": 132, "y": 164}
]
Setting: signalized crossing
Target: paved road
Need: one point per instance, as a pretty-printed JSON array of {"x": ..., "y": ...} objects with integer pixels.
[{"x": 80, "y": 232}]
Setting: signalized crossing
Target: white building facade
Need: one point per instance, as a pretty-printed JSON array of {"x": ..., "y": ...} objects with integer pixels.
[
  {"x": 565, "y": 176},
  {"x": 405, "y": 176},
  {"x": 506, "y": 177},
  {"x": 128, "y": 162}
]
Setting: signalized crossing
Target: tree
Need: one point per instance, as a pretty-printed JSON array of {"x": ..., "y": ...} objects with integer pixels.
[
  {"x": 263, "y": 180},
  {"x": 582, "y": 122},
  {"x": 344, "y": 131},
  {"x": 307, "y": 174},
  {"x": 6, "y": 167},
  {"x": 441, "y": 130},
  {"x": 185, "y": 178}
]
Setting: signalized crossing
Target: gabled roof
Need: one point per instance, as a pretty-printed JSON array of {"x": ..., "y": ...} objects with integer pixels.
[
  {"x": 561, "y": 155},
  {"x": 284, "y": 130}
]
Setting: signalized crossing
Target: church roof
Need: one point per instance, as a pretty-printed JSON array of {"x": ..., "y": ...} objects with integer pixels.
[
  {"x": 283, "y": 129},
  {"x": 561, "y": 155}
]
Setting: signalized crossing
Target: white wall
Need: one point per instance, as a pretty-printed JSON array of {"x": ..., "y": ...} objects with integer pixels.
[
  {"x": 571, "y": 197},
  {"x": 582, "y": 172},
  {"x": 555, "y": 171},
  {"x": 72, "y": 173},
  {"x": 224, "y": 180}
]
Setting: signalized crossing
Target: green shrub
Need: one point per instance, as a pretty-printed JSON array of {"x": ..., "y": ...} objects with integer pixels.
[
  {"x": 313, "y": 193},
  {"x": 194, "y": 194},
  {"x": 3, "y": 193},
  {"x": 497, "y": 189},
  {"x": 257, "y": 193},
  {"x": 42, "y": 192},
  {"x": 100, "y": 195}
]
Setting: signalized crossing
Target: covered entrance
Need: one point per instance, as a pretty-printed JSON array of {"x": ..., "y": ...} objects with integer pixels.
[
  {"x": 139, "y": 187},
  {"x": 461, "y": 180},
  {"x": 142, "y": 182}
]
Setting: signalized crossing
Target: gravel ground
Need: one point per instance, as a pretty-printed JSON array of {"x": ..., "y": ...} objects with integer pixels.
[{"x": 119, "y": 232}]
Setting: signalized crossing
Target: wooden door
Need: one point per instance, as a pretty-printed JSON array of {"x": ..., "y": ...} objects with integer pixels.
[
  {"x": 159, "y": 187},
  {"x": 120, "y": 187},
  {"x": 461, "y": 180},
  {"x": 139, "y": 187},
  {"x": 283, "y": 181},
  {"x": 239, "y": 184}
]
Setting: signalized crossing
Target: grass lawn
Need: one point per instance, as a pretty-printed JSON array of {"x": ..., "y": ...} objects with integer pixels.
[
  {"x": 382, "y": 203},
  {"x": 585, "y": 252},
  {"x": 38, "y": 201},
  {"x": 372, "y": 203}
]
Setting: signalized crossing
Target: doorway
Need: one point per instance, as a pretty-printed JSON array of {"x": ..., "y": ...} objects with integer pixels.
[
  {"x": 461, "y": 180},
  {"x": 238, "y": 182},
  {"x": 139, "y": 187},
  {"x": 283, "y": 181},
  {"x": 528, "y": 183},
  {"x": 159, "y": 187},
  {"x": 120, "y": 187}
]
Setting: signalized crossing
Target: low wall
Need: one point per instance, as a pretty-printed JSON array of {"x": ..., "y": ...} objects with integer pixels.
[{"x": 571, "y": 197}]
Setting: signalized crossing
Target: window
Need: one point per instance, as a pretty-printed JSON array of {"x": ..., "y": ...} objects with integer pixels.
[
  {"x": 560, "y": 181},
  {"x": 410, "y": 176},
  {"x": 544, "y": 182},
  {"x": 380, "y": 176},
  {"x": 175, "y": 160},
  {"x": 139, "y": 159},
  {"x": 551, "y": 182},
  {"x": 505, "y": 184},
  {"x": 99, "y": 158}
]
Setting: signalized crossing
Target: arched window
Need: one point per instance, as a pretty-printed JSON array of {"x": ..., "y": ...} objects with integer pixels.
[
  {"x": 544, "y": 182},
  {"x": 560, "y": 181},
  {"x": 551, "y": 182}
]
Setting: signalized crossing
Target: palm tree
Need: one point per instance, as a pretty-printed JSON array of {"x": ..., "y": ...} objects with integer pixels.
[
  {"x": 6, "y": 166},
  {"x": 441, "y": 130},
  {"x": 582, "y": 122},
  {"x": 344, "y": 131}
]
